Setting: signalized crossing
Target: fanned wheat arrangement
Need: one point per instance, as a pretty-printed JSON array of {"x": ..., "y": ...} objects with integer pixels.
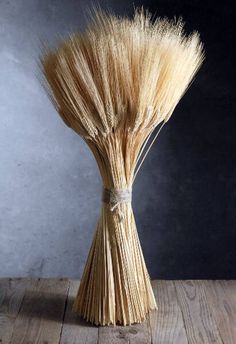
[{"x": 114, "y": 84}]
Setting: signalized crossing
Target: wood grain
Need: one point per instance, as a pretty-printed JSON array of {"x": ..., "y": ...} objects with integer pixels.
[
  {"x": 11, "y": 296},
  {"x": 167, "y": 324},
  {"x": 41, "y": 315},
  {"x": 194, "y": 312},
  {"x": 222, "y": 297},
  {"x": 197, "y": 313},
  {"x": 134, "y": 334},
  {"x": 76, "y": 330}
]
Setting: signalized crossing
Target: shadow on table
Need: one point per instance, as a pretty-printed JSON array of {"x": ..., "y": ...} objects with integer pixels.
[{"x": 44, "y": 305}]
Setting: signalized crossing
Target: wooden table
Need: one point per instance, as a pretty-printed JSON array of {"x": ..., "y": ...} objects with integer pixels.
[{"x": 39, "y": 311}]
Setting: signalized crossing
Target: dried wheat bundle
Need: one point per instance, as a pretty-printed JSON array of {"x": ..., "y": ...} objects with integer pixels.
[{"x": 113, "y": 84}]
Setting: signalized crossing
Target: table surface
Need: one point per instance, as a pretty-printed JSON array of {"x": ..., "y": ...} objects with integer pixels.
[{"x": 39, "y": 311}]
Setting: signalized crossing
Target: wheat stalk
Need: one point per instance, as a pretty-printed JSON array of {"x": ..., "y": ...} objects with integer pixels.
[{"x": 113, "y": 84}]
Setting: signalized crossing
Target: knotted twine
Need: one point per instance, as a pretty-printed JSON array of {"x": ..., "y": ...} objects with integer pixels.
[{"x": 114, "y": 197}]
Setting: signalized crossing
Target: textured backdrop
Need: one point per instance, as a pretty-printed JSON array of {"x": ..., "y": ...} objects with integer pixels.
[{"x": 50, "y": 187}]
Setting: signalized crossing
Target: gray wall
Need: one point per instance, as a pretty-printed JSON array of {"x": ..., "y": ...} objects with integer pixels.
[{"x": 49, "y": 183}]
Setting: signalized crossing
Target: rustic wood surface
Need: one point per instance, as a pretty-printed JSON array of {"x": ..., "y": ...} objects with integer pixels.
[{"x": 39, "y": 311}]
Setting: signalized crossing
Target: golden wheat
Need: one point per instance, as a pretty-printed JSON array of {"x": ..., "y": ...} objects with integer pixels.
[{"x": 113, "y": 84}]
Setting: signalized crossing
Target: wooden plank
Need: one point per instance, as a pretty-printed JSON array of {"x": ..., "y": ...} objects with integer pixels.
[
  {"x": 189, "y": 312},
  {"x": 167, "y": 324},
  {"x": 222, "y": 296},
  {"x": 41, "y": 315},
  {"x": 76, "y": 330},
  {"x": 198, "y": 319},
  {"x": 11, "y": 296},
  {"x": 133, "y": 334}
]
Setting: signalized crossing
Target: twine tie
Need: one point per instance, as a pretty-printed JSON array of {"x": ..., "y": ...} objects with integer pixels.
[{"x": 114, "y": 197}]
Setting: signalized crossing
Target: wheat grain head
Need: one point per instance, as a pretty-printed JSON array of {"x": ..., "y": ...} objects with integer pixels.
[{"x": 121, "y": 73}]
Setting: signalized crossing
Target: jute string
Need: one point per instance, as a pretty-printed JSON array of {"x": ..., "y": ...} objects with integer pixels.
[{"x": 114, "y": 197}]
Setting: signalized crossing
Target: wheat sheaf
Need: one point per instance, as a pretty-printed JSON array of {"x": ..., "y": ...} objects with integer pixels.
[{"x": 114, "y": 84}]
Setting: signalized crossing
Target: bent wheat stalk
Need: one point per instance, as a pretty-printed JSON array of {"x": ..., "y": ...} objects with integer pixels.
[{"x": 114, "y": 84}]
